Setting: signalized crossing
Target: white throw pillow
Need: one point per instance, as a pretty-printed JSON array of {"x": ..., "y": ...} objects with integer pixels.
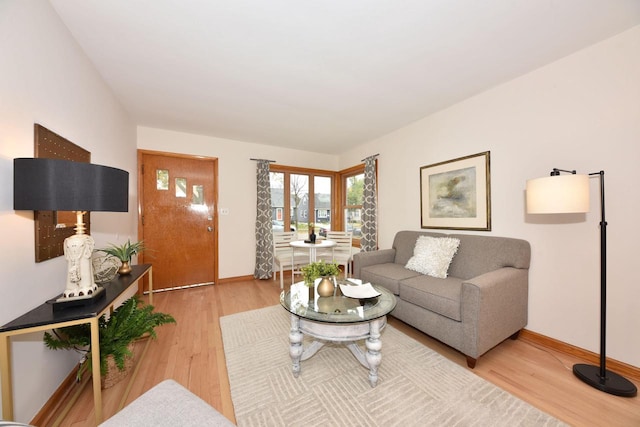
[{"x": 433, "y": 255}]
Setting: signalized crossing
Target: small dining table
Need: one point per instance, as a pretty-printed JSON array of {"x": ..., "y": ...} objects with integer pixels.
[{"x": 312, "y": 247}]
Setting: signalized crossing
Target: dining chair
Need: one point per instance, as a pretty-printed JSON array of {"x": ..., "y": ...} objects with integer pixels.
[
  {"x": 342, "y": 253},
  {"x": 283, "y": 255}
]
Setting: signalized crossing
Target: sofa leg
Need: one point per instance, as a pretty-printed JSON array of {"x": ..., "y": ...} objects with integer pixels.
[
  {"x": 516, "y": 335},
  {"x": 471, "y": 362}
]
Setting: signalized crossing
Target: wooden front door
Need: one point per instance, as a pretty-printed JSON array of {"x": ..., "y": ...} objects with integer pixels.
[{"x": 178, "y": 222}]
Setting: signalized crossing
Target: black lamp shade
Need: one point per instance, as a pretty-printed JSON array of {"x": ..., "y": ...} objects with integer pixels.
[{"x": 63, "y": 185}]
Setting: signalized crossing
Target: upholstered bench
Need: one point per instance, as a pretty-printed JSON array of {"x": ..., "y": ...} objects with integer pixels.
[{"x": 168, "y": 404}]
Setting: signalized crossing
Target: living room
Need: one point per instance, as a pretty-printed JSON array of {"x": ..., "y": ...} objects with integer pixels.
[{"x": 577, "y": 112}]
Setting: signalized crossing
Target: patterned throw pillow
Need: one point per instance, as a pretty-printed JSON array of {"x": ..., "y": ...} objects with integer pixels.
[{"x": 433, "y": 255}]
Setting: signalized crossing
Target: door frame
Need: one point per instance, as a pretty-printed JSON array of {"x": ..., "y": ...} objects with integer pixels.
[{"x": 215, "y": 200}]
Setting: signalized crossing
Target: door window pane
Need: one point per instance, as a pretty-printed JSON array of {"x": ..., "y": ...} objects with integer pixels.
[
  {"x": 198, "y": 195},
  {"x": 162, "y": 179},
  {"x": 181, "y": 187}
]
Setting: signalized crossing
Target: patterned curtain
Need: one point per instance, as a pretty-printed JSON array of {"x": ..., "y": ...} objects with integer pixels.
[
  {"x": 369, "y": 239},
  {"x": 264, "y": 233}
]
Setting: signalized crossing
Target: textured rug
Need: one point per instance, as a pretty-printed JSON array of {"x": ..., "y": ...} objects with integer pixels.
[{"x": 416, "y": 385}]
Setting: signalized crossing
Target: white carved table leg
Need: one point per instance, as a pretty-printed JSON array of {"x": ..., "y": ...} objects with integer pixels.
[
  {"x": 374, "y": 347},
  {"x": 295, "y": 339}
]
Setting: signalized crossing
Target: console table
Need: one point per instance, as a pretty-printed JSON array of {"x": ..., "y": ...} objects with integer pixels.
[{"x": 43, "y": 318}]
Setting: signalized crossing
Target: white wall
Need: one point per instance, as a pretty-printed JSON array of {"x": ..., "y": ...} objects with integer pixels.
[
  {"x": 45, "y": 78},
  {"x": 236, "y": 186},
  {"x": 582, "y": 112}
]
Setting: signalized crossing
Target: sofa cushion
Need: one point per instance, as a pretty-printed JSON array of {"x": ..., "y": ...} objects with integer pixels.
[
  {"x": 432, "y": 255},
  {"x": 387, "y": 275},
  {"x": 441, "y": 296},
  {"x": 481, "y": 254}
]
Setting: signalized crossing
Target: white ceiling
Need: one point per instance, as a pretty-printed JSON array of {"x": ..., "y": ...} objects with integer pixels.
[{"x": 322, "y": 75}]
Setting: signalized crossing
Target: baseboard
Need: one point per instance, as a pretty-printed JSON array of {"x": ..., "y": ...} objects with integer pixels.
[
  {"x": 61, "y": 401},
  {"x": 621, "y": 368},
  {"x": 247, "y": 278},
  {"x": 57, "y": 400},
  {"x": 237, "y": 279}
]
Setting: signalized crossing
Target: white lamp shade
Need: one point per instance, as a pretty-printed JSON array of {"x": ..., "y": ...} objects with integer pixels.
[{"x": 558, "y": 194}]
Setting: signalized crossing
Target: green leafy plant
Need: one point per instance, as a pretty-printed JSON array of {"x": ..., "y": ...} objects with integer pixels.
[
  {"x": 317, "y": 269},
  {"x": 124, "y": 252},
  {"x": 127, "y": 323}
]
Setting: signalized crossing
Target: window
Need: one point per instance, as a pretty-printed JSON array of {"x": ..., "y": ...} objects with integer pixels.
[
  {"x": 306, "y": 194},
  {"x": 352, "y": 200},
  {"x": 322, "y": 204},
  {"x": 300, "y": 203},
  {"x": 342, "y": 192},
  {"x": 278, "y": 207}
]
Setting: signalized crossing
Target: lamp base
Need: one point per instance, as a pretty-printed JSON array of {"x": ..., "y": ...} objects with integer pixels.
[
  {"x": 62, "y": 302},
  {"x": 612, "y": 383}
]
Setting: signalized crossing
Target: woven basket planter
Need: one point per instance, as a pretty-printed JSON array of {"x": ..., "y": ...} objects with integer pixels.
[{"x": 114, "y": 375}]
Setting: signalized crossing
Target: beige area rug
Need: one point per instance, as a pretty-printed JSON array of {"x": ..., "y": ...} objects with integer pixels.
[{"x": 416, "y": 386}]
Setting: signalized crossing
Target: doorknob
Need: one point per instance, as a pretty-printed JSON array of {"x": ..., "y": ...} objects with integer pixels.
[{"x": 209, "y": 228}]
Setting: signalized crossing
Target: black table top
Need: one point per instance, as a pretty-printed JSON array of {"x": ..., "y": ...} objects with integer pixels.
[{"x": 45, "y": 315}]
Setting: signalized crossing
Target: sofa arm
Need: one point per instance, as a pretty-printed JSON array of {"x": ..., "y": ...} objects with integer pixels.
[
  {"x": 364, "y": 259},
  {"x": 494, "y": 306}
]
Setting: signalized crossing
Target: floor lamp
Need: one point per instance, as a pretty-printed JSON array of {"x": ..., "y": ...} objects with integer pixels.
[{"x": 570, "y": 194}]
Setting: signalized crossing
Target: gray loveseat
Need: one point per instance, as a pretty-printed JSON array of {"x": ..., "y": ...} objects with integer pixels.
[{"x": 482, "y": 302}]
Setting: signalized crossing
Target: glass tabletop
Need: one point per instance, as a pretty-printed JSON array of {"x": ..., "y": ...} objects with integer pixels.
[{"x": 337, "y": 309}]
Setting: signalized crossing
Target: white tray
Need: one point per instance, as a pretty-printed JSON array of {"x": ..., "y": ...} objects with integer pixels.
[{"x": 362, "y": 291}]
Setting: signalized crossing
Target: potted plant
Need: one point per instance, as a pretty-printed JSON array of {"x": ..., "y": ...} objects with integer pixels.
[
  {"x": 124, "y": 253},
  {"x": 127, "y": 323},
  {"x": 321, "y": 269}
]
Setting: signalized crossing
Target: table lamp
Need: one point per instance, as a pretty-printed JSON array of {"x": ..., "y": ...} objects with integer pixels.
[
  {"x": 63, "y": 185},
  {"x": 561, "y": 194}
]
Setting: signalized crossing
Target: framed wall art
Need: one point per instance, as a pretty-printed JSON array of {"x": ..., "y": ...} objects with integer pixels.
[{"x": 456, "y": 194}]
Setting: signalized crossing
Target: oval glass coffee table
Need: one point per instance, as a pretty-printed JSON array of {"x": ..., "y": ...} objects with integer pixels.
[{"x": 337, "y": 319}]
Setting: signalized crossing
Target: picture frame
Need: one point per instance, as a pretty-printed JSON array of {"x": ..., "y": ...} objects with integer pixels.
[{"x": 456, "y": 194}]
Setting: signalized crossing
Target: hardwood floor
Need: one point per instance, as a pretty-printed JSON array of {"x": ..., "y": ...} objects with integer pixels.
[{"x": 191, "y": 353}]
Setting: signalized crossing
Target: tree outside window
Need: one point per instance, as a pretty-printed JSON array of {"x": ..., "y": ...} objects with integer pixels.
[
  {"x": 354, "y": 196},
  {"x": 299, "y": 193}
]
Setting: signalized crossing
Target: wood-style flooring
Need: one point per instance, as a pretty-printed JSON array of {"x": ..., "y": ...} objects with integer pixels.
[{"x": 191, "y": 353}]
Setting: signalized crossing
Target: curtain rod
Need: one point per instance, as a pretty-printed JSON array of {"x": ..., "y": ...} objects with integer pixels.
[
  {"x": 374, "y": 155},
  {"x": 263, "y": 160}
]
